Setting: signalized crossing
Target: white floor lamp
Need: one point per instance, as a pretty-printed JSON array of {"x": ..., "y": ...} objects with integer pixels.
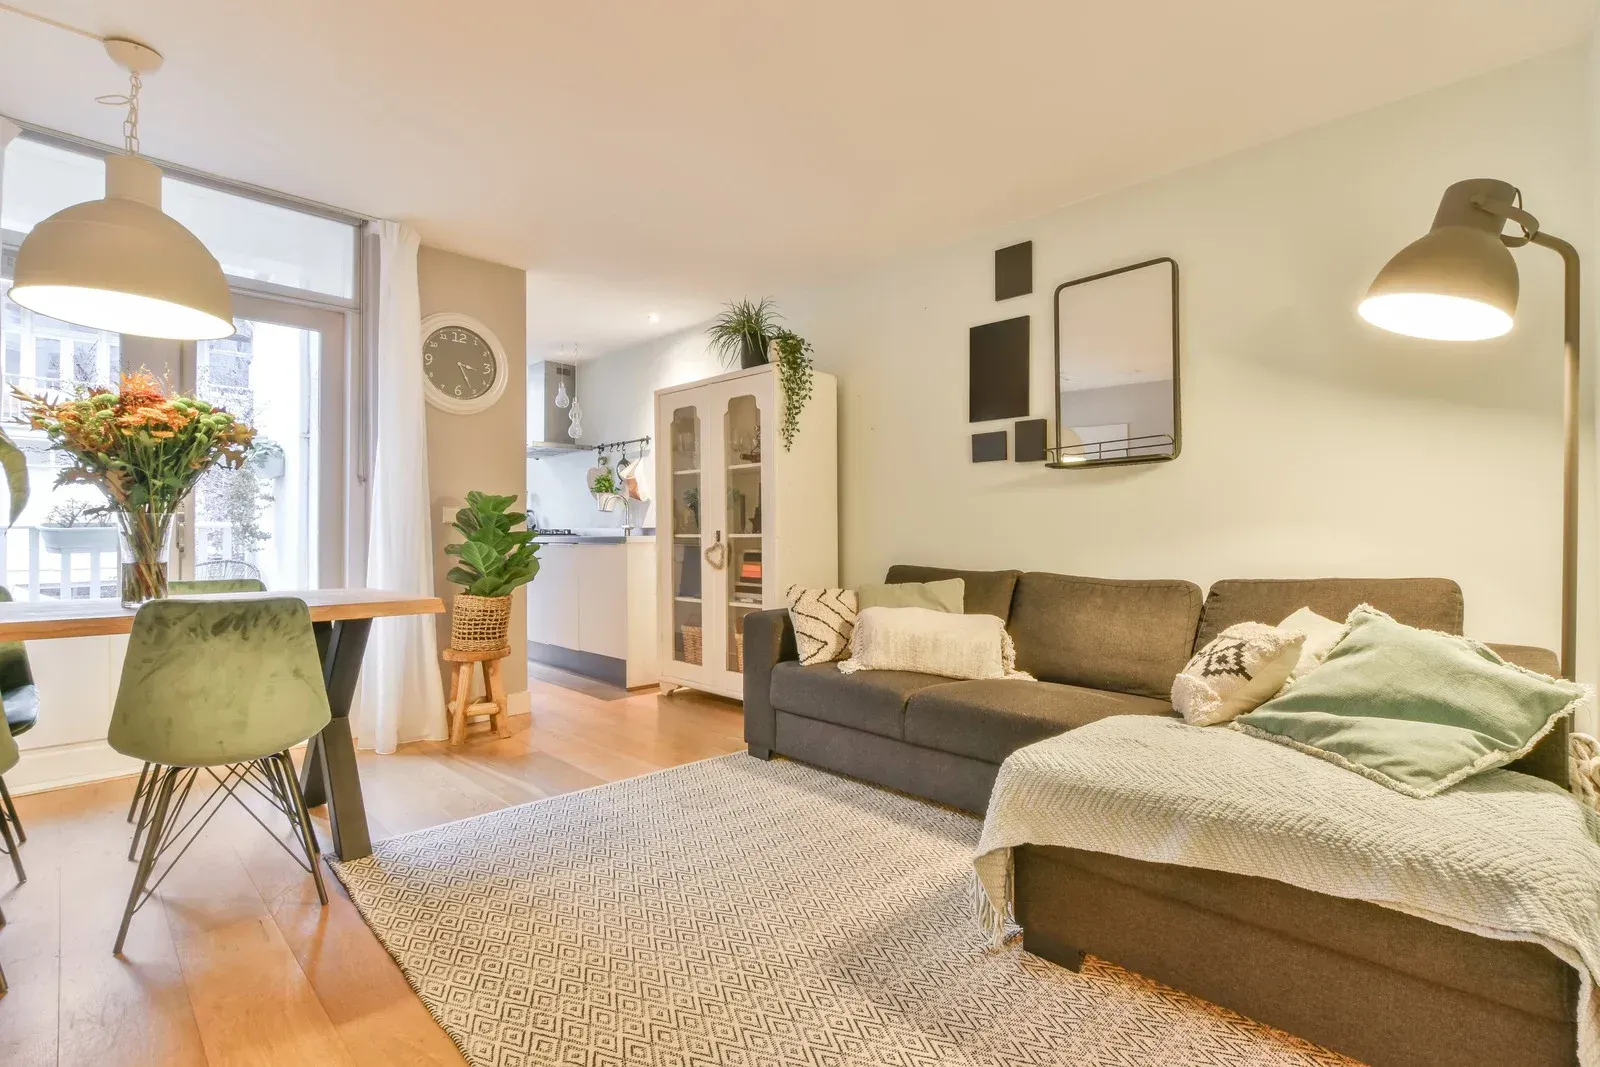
[{"x": 1459, "y": 283}]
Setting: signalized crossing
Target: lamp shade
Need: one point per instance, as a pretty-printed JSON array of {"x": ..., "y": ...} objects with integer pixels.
[
  {"x": 1457, "y": 283},
  {"x": 122, "y": 264}
]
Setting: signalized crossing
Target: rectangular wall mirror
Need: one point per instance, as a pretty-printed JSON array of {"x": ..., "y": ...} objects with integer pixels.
[{"x": 1117, "y": 366}]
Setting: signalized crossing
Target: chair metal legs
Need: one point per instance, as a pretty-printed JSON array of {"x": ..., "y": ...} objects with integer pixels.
[
  {"x": 139, "y": 790},
  {"x": 10, "y": 812},
  {"x": 163, "y": 825},
  {"x": 11, "y": 843}
]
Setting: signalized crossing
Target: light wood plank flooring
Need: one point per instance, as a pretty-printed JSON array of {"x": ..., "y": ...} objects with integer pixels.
[{"x": 234, "y": 962}]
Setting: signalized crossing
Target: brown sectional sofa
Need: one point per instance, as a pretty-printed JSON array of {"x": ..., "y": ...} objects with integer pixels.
[{"x": 1373, "y": 983}]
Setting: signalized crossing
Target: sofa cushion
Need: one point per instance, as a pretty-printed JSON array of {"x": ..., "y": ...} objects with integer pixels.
[
  {"x": 1427, "y": 603},
  {"x": 873, "y": 701},
  {"x": 987, "y": 592},
  {"x": 992, "y": 718},
  {"x": 1125, "y": 636}
]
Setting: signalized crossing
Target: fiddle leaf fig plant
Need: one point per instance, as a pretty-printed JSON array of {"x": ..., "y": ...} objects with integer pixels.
[{"x": 495, "y": 559}]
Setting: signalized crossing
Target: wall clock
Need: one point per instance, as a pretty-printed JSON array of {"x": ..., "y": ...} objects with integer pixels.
[{"x": 464, "y": 366}]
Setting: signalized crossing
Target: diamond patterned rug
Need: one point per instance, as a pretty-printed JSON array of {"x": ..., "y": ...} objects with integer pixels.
[{"x": 757, "y": 914}]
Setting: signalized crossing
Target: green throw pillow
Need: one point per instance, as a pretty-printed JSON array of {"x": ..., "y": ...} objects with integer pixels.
[
  {"x": 949, "y": 595},
  {"x": 1411, "y": 709}
]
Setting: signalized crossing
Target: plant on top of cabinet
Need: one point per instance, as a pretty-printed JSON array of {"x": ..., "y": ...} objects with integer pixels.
[
  {"x": 793, "y": 354},
  {"x": 743, "y": 331},
  {"x": 495, "y": 559}
]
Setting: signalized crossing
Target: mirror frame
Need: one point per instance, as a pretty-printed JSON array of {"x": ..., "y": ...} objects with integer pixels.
[{"x": 1053, "y": 453}]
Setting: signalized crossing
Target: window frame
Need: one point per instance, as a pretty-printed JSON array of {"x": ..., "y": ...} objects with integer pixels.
[{"x": 342, "y": 551}]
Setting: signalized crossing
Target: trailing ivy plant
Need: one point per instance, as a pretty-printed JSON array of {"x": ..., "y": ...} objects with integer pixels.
[
  {"x": 794, "y": 374},
  {"x": 494, "y": 558}
]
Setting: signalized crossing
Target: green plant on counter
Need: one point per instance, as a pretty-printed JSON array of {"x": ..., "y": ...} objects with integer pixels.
[
  {"x": 794, "y": 374},
  {"x": 740, "y": 334},
  {"x": 494, "y": 558}
]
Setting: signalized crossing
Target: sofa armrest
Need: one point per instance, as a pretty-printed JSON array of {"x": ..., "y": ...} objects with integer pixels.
[
  {"x": 1534, "y": 659},
  {"x": 1548, "y": 760},
  {"x": 768, "y": 641}
]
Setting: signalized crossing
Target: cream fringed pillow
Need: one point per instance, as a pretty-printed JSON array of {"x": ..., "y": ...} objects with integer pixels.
[
  {"x": 932, "y": 642},
  {"x": 1242, "y": 667},
  {"x": 823, "y": 621}
]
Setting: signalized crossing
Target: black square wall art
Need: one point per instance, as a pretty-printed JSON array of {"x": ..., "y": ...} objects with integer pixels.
[
  {"x": 989, "y": 447},
  {"x": 1013, "y": 271},
  {"x": 997, "y": 370},
  {"x": 1031, "y": 440}
]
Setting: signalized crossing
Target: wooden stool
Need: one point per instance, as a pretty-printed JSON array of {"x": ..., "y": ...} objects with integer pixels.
[{"x": 462, "y": 706}]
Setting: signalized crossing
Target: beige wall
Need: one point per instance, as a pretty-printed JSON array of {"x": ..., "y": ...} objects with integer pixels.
[
  {"x": 483, "y": 451},
  {"x": 1313, "y": 444}
]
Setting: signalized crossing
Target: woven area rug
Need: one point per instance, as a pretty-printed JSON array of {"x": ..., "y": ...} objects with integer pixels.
[{"x": 761, "y": 914}]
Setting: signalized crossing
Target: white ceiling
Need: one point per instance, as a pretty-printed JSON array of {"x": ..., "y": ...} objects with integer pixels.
[{"x": 666, "y": 156}]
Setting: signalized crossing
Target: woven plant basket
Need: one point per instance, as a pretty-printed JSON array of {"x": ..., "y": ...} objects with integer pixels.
[
  {"x": 738, "y": 653},
  {"x": 480, "y": 623},
  {"x": 691, "y": 644}
]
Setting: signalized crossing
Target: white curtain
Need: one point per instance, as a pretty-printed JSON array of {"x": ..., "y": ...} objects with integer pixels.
[{"x": 400, "y": 697}]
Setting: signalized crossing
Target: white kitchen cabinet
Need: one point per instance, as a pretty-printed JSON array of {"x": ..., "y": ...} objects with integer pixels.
[
  {"x": 739, "y": 519},
  {"x": 587, "y": 605}
]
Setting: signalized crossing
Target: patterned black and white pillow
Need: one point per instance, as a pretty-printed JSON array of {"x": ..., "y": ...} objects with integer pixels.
[
  {"x": 1242, "y": 667},
  {"x": 823, "y": 620}
]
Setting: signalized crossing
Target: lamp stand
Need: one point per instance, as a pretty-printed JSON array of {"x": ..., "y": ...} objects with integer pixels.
[{"x": 1569, "y": 454}]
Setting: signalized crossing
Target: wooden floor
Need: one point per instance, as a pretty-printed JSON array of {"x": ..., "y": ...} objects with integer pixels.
[{"x": 234, "y": 962}]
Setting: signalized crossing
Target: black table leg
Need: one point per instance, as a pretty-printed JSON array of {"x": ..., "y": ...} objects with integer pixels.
[{"x": 328, "y": 774}]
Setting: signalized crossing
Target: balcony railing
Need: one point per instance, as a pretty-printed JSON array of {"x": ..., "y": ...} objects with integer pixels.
[{"x": 76, "y": 563}]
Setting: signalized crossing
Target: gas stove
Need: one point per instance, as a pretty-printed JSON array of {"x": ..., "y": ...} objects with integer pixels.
[{"x": 542, "y": 532}]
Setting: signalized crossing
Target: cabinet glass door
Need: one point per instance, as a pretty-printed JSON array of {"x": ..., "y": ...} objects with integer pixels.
[
  {"x": 741, "y": 579},
  {"x": 685, "y": 581}
]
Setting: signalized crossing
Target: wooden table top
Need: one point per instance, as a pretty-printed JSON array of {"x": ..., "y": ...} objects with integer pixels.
[{"x": 43, "y": 619}]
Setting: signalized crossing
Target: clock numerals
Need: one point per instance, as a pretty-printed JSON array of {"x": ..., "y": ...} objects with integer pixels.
[{"x": 460, "y": 365}]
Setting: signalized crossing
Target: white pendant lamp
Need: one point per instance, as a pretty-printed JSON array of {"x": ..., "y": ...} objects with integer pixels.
[{"x": 122, "y": 264}]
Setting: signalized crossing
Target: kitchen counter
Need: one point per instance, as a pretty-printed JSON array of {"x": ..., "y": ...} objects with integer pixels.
[
  {"x": 592, "y": 606},
  {"x": 594, "y": 539}
]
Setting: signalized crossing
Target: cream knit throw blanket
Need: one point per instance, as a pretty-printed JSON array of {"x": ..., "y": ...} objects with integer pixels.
[{"x": 1503, "y": 855}]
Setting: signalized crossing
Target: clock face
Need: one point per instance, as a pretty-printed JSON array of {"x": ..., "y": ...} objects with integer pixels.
[{"x": 459, "y": 363}]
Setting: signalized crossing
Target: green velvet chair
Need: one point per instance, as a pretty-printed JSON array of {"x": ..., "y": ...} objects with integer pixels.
[
  {"x": 142, "y": 791},
  {"x": 8, "y": 759},
  {"x": 218, "y": 690},
  {"x": 21, "y": 701}
]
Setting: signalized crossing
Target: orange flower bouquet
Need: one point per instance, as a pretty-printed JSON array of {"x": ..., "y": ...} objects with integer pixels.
[{"x": 145, "y": 450}]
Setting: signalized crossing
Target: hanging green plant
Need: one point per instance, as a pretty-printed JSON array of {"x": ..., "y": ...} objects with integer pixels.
[{"x": 794, "y": 374}]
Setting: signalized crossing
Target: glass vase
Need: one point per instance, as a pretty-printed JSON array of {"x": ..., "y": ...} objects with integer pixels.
[{"x": 144, "y": 554}]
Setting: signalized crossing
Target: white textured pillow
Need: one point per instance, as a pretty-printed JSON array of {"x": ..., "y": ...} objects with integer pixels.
[
  {"x": 823, "y": 621},
  {"x": 1321, "y": 633},
  {"x": 1242, "y": 667},
  {"x": 932, "y": 642}
]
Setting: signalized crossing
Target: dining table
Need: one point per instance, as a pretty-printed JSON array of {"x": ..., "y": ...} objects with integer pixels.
[{"x": 341, "y": 618}]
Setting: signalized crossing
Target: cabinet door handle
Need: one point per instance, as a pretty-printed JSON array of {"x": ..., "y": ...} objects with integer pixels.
[{"x": 721, "y": 551}]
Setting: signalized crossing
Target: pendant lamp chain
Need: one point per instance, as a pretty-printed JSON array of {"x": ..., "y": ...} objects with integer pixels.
[{"x": 130, "y": 100}]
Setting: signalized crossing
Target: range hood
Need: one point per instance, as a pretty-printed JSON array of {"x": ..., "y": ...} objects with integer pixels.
[{"x": 548, "y": 424}]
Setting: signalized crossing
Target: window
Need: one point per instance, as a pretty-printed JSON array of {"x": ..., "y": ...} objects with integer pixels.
[
  {"x": 282, "y": 515},
  {"x": 264, "y": 242}
]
